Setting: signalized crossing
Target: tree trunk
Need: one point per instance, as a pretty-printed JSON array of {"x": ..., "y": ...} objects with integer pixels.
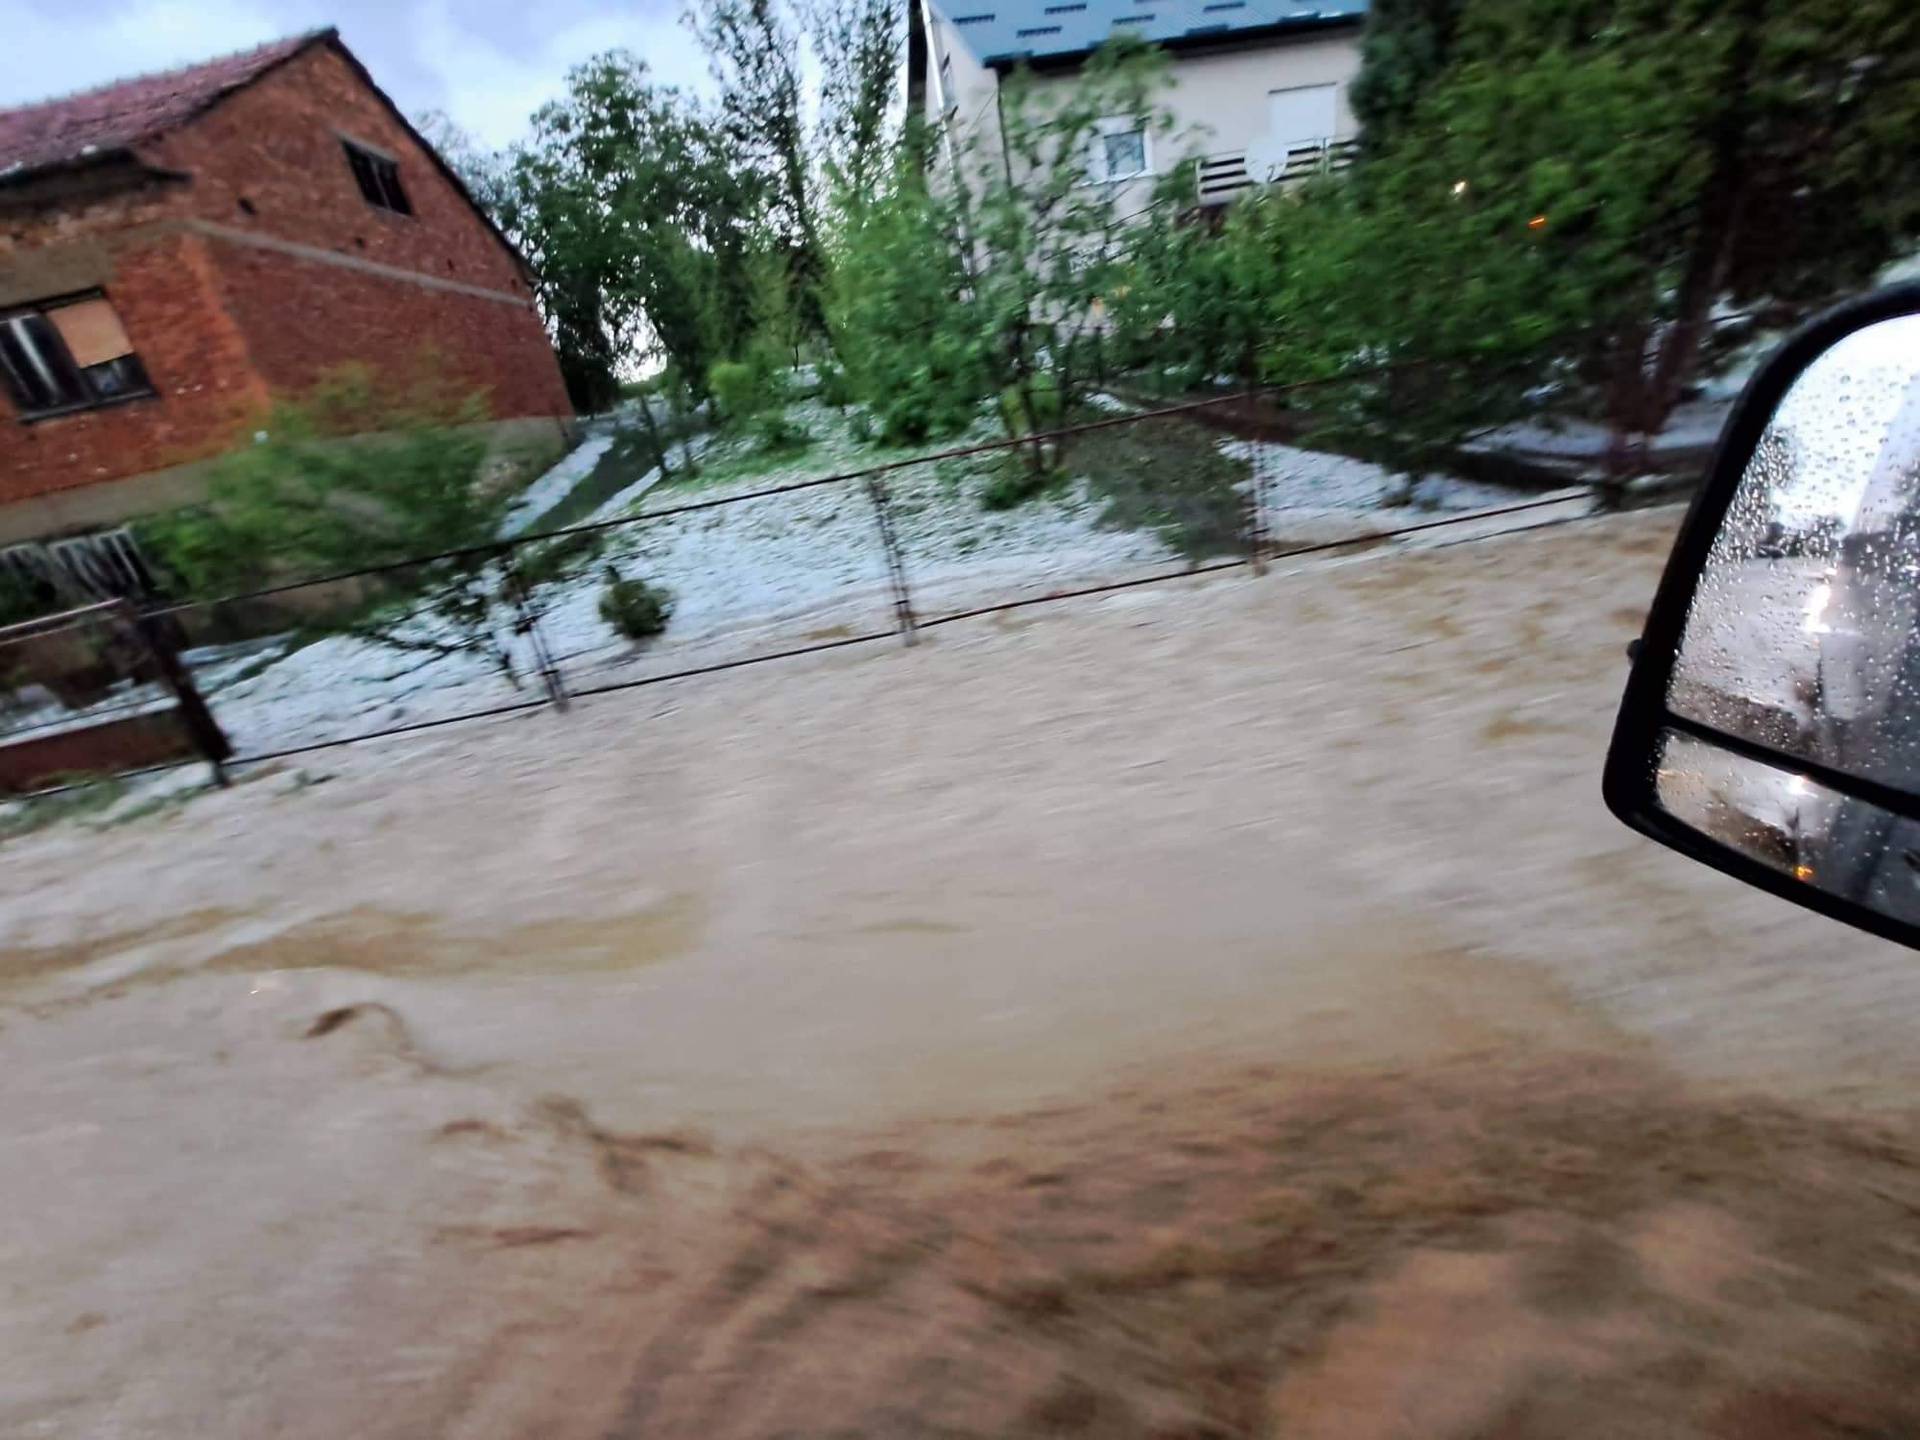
[
  {"x": 1626, "y": 415},
  {"x": 1656, "y": 390},
  {"x": 654, "y": 437}
]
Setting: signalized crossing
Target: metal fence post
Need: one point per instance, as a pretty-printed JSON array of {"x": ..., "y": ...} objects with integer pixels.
[
  {"x": 195, "y": 716},
  {"x": 1257, "y": 506},
  {"x": 896, "y": 566},
  {"x": 527, "y": 623}
]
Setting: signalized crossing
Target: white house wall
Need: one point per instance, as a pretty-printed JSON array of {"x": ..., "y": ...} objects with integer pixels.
[
  {"x": 1218, "y": 102},
  {"x": 1223, "y": 98}
]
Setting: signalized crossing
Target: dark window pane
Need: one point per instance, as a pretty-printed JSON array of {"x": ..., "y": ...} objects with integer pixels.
[
  {"x": 378, "y": 179},
  {"x": 112, "y": 379},
  {"x": 390, "y": 185},
  {"x": 36, "y": 366},
  {"x": 364, "y": 176}
]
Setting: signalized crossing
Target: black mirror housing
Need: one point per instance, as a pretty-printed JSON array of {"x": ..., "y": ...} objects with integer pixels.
[{"x": 1765, "y": 726}]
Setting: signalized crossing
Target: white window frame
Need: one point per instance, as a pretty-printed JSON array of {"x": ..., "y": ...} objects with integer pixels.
[{"x": 1097, "y": 173}]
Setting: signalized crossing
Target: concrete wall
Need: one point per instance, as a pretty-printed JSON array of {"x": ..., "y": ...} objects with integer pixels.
[{"x": 251, "y": 279}]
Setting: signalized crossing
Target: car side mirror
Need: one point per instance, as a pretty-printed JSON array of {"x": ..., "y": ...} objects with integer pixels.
[{"x": 1771, "y": 724}]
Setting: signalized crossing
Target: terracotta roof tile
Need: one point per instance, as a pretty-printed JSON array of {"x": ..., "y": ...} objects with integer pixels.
[{"x": 71, "y": 127}]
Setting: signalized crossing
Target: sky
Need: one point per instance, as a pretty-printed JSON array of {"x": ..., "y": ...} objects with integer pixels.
[{"x": 487, "y": 63}]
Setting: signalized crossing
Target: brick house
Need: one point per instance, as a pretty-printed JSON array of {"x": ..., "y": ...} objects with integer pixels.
[{"x": 177, "y": 250}]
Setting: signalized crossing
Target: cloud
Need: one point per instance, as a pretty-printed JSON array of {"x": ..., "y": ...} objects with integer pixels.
[
  {"x": 489, "y": 64},
  {"x": 490, "y": 87},
  {"x": 55, "y": 52}
]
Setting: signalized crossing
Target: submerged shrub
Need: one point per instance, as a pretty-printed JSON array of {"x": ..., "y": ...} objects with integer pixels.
[{"x": 634, "y": 607}]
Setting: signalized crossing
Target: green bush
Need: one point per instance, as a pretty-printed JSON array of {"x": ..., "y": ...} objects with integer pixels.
[
  {"x": 20, "y": 601},
  {"x": 635, "y": 608},
  {"x": 342, "y": 479},
  {"x": 743, "y": 389},
  {"x": 779, "y": 435},
  {"x": 926, "y": 412},
  {"x": 835, "y": 386},
  {"x": 1033, "y": 408},
  {"x": 734, "y": 388},
  {"x": 347, "y": 479},
  {"x": 915, "y": 356},
  {"x": 1014, "y": 482},
  {"x": 551, "y": 561}
]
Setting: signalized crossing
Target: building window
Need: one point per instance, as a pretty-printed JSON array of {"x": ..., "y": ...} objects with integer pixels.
[
  {"x": 378, "y": 178},
  {"x": 1304, "y": 114},
  {"x": 69, "y": 355},
  {"x": 1119, "y": 150}
]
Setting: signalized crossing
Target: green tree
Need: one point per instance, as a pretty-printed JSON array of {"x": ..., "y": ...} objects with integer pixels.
[
  {"x": 753, "y": 49},
  {"x": 896, "y": 311},
  {"x": 480, "y": 170},
  {"x": 1404, "y": 48},
  {"x": 1201, "y": 300},
  {"x": 858, "y": 44},
  {"x": 1044, "y": 238},
  {"x": 626, "y": 200},
  {"x": 775, "y": 308},
  {"x": 1450, "y": 275},
  {"x": 348, "y": 478},
  {"x": 995, "y": 280},
  {"x": 1637, "y": 166}
]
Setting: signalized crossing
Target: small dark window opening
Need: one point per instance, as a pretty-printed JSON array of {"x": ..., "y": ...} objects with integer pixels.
[
  {"x": 378, "y": 179},
  {"x": 73, "y": 355}
]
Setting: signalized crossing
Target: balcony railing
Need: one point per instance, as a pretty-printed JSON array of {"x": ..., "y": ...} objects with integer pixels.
[{"x": 1221, "y": 177}]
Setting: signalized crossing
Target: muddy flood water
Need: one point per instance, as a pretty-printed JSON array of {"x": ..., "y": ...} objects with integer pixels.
[{"x": 1223, "y": 1009}]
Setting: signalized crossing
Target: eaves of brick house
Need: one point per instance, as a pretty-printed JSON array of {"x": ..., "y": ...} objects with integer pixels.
[{"x": 210, "y": 223}]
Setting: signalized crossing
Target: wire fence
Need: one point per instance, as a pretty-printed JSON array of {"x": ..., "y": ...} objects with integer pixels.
[
  {"x": 95, "y": 690},
  {"x": 868, "y": 554}
]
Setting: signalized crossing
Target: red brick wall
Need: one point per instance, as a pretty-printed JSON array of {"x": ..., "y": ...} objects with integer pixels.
[
  {"x": 194, "y": 355},
  {"x": 106, "y": 747},
  {"x": 277, "y": 145},
  {"x": 302, "y": 319},
  {"x": 221, "y": 324}
]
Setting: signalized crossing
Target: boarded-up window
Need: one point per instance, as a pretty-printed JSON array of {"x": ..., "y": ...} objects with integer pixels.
[
  {"x": 68, "y": 355},
  {"x": 93, "y": 333}
]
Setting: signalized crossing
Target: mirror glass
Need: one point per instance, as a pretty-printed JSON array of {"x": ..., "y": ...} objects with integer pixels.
[
  {"x": 1793, "y": 824},
  {"x": 1804, "y": 632}
]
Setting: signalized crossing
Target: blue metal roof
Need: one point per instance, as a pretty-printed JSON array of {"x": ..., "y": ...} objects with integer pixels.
[{"x": 1002, "y": 31}]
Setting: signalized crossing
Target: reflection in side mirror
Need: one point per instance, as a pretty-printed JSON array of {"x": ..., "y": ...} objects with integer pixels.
[
  {"x": 1847, "y": 848},
  {"x": 1772, "y": 723}
]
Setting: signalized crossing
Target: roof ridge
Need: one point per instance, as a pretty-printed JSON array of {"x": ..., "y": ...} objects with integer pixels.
[{"x": 297, "y": 40}]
